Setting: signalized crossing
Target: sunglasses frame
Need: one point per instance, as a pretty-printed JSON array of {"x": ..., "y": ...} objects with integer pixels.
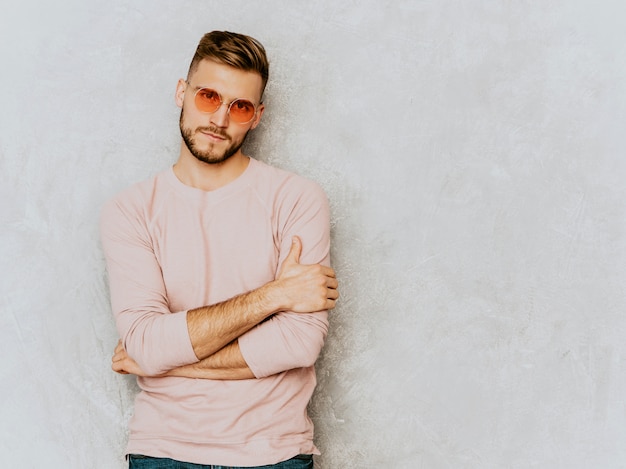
[{"x": 229, "y": 105}]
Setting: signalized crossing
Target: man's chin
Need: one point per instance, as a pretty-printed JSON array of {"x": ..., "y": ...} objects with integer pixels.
[
  {"x": 209, "y": 155},
  {"x": 211, "y": 159}
]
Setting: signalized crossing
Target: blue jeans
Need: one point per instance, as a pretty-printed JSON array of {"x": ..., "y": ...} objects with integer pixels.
[{"x": 137, "y": 461}]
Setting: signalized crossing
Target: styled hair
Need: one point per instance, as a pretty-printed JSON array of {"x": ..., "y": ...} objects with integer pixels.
[{"x": 235, "y": 50}]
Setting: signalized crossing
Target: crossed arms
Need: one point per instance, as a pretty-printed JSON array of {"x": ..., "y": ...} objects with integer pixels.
[{"x": 214, "y": 330}]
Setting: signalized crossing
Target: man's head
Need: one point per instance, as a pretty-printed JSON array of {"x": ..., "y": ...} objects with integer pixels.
[{"x": 231, "y": 70}]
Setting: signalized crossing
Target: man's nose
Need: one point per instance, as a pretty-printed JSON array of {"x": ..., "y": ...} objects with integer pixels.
[{"x": 220, "y": 117}]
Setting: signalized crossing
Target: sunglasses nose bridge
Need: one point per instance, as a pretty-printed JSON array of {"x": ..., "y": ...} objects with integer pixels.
[{"x": 221, "y": 115}]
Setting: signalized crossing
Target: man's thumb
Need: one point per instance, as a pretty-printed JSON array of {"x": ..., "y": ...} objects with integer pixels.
[{"x": 294, "y": 251}]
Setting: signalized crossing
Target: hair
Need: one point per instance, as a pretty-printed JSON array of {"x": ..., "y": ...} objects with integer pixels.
[{"x": 236, "y": 50}]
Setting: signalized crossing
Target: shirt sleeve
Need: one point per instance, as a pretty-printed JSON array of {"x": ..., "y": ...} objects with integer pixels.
[
  {"x": 291, "y": 340},
  {"x": 155, "y": 337}
]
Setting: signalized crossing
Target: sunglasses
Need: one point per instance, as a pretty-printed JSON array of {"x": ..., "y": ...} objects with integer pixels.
[{"x": 240, "y": 110}]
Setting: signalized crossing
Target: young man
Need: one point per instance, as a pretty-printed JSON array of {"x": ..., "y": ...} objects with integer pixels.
[{"x": 220, "y": 283}]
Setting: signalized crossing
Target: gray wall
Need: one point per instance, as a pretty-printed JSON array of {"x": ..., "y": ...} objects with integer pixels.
[{"x": 473, "y": 155}]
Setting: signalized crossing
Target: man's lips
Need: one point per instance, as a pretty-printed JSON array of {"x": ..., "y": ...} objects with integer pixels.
[{"x": 213, "y": 135}]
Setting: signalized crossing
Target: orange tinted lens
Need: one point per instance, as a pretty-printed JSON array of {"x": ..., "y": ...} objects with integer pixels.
[
  {"x": 241, "y": 111},
  {"x": 207, "y": 100}
]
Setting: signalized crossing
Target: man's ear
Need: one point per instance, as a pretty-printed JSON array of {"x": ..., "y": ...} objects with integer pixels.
[
  {"x": 257, "y": 117},
  {"x": 180, "y": 92}
]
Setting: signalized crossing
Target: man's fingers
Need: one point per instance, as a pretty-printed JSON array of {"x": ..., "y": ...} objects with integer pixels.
[
  {"x": 332, "y": 283},
  {"x": 118, "y": 357},
  {"x": 119, "y": 354},
  {"x": 118, "y": 367},
  {"x": 332, "y": 294}
]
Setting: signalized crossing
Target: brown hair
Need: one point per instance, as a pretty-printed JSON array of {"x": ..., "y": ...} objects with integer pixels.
[{"x": 236, "y": 50}]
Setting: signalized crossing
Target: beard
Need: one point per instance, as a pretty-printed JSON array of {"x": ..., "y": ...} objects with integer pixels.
[{"x": 210, "y": 155}]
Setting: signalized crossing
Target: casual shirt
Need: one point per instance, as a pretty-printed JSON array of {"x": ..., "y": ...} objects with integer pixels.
[{"x": 171, "y": 248}]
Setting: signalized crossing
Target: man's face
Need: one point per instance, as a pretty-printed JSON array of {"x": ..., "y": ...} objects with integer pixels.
[{"x": 214, "y": 138}]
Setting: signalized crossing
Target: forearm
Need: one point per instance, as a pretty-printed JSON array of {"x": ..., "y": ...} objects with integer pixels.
[
  {"x": 213, "y": 328},
  {"x": 162, "y": 342},
  {"x": 225, "y": 364},
  {"x": 298, "y": 288}
]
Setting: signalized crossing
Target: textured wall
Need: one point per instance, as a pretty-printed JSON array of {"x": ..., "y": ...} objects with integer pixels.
[{"x": 474, "y": 159}]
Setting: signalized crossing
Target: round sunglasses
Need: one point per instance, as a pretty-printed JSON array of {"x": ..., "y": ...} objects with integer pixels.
[{"x": 240, "y": 110}]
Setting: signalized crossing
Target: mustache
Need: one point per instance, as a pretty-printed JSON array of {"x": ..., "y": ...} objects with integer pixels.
[{"x": 214, "y": 130}]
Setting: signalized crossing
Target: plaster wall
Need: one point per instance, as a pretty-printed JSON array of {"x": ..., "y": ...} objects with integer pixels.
[{"x": 473, "y": 154}]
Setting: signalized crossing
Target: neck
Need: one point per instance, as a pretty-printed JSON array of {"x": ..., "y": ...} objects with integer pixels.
[{"x": 208, "y": 177}]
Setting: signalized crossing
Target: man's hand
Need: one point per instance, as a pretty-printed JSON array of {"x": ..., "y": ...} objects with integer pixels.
[
  {"x": 123, "y": 364},
  {"x": 306, "y": 288}
]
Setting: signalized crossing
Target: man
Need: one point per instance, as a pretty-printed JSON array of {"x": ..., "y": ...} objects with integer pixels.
[{"x": 220, "y": 283}]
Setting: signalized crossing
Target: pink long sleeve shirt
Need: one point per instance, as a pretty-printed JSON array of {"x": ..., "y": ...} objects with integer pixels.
[{"x": 171, "y": 248}]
